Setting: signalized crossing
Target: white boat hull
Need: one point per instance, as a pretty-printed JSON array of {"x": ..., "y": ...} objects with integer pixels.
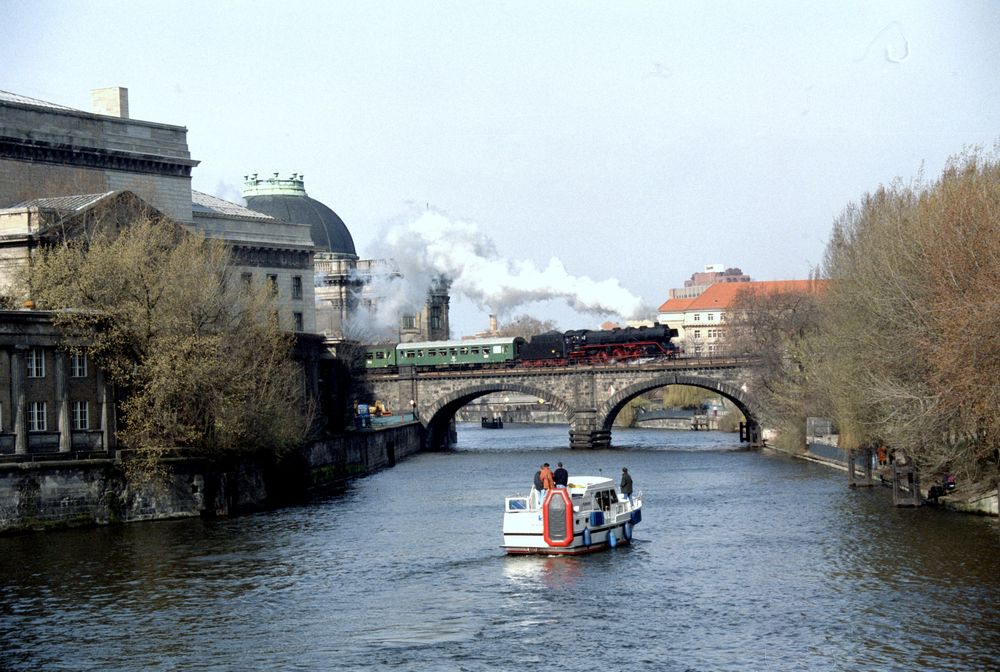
[{"x": 587, "y": 517}]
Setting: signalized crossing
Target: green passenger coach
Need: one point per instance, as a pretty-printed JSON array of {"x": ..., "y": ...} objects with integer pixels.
[
  {"x": 471, "y": 352},
  {"x": 380, "y": 356}
]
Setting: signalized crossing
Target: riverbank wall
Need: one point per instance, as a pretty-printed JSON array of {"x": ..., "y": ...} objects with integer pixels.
[
  {"x": 69, "y": 490},
  {"x": 824, "y": 450}
]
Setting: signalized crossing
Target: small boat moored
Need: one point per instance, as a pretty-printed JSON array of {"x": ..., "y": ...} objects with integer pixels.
[
  {"x": 586, "y": 516},
  {"x": 495, "y": 422}
]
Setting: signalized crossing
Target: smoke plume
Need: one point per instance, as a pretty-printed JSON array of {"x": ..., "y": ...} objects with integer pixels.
[{"x": 431, "y": 244}]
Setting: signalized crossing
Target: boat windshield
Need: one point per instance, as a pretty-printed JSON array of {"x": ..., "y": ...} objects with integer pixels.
[{"x": 517, "y": 503}]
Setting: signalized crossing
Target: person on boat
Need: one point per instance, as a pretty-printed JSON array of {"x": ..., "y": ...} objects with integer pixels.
[
  {"x": 560, "y": 476},
  {"x": 547, "y": 482},
  {"x": 626, "y": 484}
]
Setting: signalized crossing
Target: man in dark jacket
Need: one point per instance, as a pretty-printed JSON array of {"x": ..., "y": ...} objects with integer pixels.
[
  {"x": 626, "y": 485},
  {"x": 560, "y": 476}
]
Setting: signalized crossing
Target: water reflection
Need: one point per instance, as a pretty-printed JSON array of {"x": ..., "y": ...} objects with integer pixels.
[{"x": 742, "y": 561}]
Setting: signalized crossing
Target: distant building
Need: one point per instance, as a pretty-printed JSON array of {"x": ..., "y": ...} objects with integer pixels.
[
  {"x": 59, "y": 166},
  {"x": 701, "y": 321},
  {"x": 344, "y": 291},
  {"x": 702, "y": 280}
]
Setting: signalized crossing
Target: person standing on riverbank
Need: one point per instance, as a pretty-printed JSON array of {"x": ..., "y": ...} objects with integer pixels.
[{"x": 626, "y": 484}]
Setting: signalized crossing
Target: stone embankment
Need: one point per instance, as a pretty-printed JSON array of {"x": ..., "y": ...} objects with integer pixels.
[
  {"x": 45, "y": 493},
  {"x": 823, "y": 449}
]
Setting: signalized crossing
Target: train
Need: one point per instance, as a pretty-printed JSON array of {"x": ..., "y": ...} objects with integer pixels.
[{"x": 552, "y": 348}]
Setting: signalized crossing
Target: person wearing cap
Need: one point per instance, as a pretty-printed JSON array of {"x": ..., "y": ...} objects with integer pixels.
[{"x": 626, "y": 484}]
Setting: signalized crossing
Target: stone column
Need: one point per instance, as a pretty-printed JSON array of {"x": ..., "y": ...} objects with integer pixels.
[
  {"x": 18, "y": 400},
  {"x": 62, "y": 402},
  {"x": 106, "y": 401}
]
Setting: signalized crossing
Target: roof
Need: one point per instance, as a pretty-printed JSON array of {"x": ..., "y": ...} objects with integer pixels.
[
  {"x": 721, "y": 294},
  {"x": 675, "y": 306},
  {"x": 212, "y": 206},
  {"x": 499, "y": 340},
  {"x": 8, "y": 97},
  {"x": 329, "y": 233},
  {"x": 63, "y": 203}
]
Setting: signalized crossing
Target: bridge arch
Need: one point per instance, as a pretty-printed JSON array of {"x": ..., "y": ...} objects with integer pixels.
[
  {"x": 438, "y": 416},
  {"x": 741, "y": 399}
]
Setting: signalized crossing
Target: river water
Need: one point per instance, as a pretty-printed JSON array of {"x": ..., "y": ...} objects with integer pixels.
[{"x": 743, "y": 561}]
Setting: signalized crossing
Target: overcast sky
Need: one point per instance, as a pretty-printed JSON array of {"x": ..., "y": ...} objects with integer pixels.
[{"x": 632, "y": 141}]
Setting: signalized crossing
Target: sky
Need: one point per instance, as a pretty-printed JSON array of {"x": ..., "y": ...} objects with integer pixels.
[{"x": 604, "y": 151}]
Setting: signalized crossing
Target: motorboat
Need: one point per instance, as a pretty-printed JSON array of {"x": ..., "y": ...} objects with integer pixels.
[{"x": 587, "y": 515}]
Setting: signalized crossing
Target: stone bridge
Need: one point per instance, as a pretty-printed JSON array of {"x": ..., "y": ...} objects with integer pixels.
[{"x": 589, "y": 396}]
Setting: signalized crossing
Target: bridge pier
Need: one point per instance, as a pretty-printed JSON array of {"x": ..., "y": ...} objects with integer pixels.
[{"x": 585, "y": 432}]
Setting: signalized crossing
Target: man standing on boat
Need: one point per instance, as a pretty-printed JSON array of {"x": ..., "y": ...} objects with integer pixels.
[
  {"x": 561, "y": 476},
  {"x": 547, "y": 482},
  {"x": 626, "y": 485}
]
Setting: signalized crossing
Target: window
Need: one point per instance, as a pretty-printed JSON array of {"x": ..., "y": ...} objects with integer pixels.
[
  {"x": 409, "y": 322},
  {"x": 697, "y": 333},
  {"x": 81, "y": 415},
  {"x": 36, "y": 363},
  {"x": 272, "y": 283},
  {"x": 436, "y": 317},
  {"x": 711, "y": 316},
  {"x": 247, "y": 279},
  {"x": 78, "y": 365},
  {"x": 297, "y": 287},
  {"x": 37, "y": 416},
  {"x": 697, "y": 317},
  {"x": 298, "y": 322}
]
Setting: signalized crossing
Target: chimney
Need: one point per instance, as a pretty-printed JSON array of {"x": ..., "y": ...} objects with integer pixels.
[
  {"x": 493, "y": 324},
  {"x": 112, "y": 101}
]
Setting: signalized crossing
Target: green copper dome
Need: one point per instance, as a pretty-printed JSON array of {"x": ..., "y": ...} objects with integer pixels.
[{"x": 287, "y": 200}]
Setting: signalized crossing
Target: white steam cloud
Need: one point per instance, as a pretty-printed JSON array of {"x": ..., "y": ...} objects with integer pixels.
[{"x": 431, "y": 244}]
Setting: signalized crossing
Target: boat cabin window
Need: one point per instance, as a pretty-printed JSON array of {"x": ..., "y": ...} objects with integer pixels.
[
  {"x": 603, "y": 499},
  {"x": 517, "y": 503}
]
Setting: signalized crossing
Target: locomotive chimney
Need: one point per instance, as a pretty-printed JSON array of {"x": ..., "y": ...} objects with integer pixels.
[{"x": 493, "y": 324}]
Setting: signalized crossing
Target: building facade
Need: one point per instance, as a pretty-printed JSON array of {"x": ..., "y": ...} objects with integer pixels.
[
  {"x": 702, "y": 280},
  {"x": 52, "y": 398},
  {"x": 347, "y": 295},
  {"x": 57, "y": 163},
  {"x": 701, "y": 322}
]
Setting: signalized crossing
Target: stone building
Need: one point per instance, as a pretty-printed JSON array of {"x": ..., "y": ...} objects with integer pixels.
[
  {"x": 702, "y": 280},
  {"x": 345, "y": 292},
  {"x": 56, "y": 162},
  {"x": 54, "y": 401}
]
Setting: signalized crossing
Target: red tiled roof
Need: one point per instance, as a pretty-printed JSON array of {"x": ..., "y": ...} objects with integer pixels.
[
  {"x": 675, "y": 305},
  {"x": 721, "y": 294}
]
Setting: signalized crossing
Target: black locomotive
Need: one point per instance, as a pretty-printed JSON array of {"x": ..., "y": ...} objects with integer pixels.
[{"x": 585, "y": 346}]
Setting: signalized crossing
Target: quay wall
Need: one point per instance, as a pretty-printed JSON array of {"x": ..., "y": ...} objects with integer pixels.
[
  {"x": 44, "y": 494},
  {"x": 824, "y": 450}
]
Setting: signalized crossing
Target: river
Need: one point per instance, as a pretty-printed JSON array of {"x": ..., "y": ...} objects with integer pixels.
[{"x": 743, "y": 561}]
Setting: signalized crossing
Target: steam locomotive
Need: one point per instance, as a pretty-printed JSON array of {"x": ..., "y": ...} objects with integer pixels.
[
  {"x": 553, "y": 348},
  {"x": 584, "y": 346}
]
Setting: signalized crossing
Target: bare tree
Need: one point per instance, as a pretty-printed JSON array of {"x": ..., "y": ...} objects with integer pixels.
[
  {"x": 526, "y": 326},
  {"x": 197, "y": 356}
]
